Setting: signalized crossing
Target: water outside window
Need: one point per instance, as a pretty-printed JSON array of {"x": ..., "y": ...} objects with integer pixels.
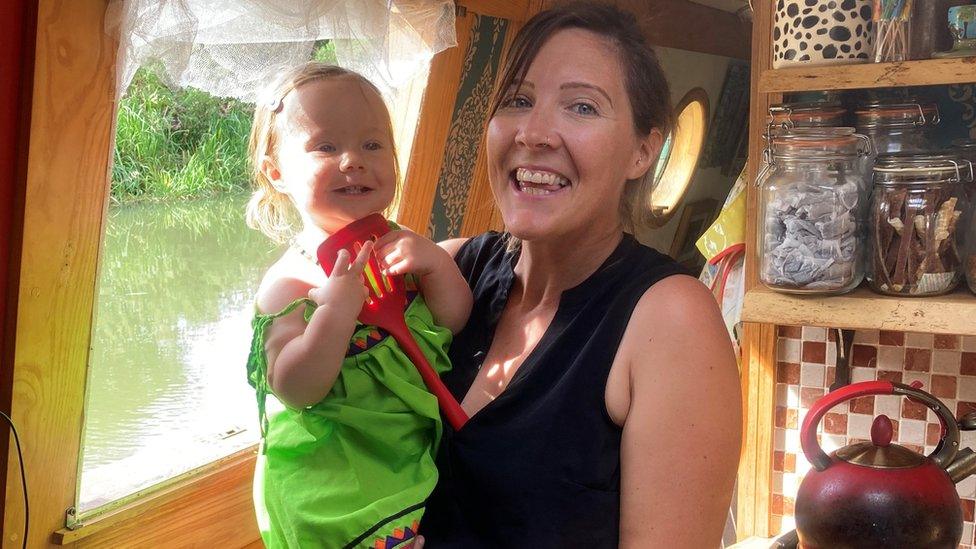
[{"x": 167, "y": 390}]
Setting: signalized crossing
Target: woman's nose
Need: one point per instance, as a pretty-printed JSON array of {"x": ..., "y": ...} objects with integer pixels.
[
  {"x": 536, "y": 132},
  {"x": 351, "y": 161}
]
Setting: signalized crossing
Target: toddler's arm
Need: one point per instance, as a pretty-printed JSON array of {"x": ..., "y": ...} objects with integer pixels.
[
  {"x": 304, "y": 359},
  {"x": 446, "y": 292}
]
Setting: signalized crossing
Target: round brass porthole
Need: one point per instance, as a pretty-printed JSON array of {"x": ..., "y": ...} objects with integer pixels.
[{"x": 679, "y": 155}]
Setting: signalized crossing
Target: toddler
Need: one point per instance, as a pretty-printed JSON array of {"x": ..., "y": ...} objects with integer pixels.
[{"x": 348, "y": 460}]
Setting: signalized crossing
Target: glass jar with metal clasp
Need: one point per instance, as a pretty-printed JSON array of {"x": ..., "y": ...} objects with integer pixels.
[
  {"x": 919, "y": 209},
  {"x": 812, "y": 211},
  {"x": 898, "y": 126}
]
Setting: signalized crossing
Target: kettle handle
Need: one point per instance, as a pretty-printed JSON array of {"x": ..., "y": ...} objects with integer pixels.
[{"x": 808, "y": 432}]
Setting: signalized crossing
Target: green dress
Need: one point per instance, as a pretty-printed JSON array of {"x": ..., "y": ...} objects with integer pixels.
[{"x": 355, "y": 469}]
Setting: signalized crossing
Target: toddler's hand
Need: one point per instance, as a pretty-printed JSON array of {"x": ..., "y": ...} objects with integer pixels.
[
  {"x": 405, "y": 251},
  {"x": 345, "y": 290}
]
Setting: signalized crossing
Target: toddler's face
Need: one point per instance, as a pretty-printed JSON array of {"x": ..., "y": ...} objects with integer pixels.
[{"x": 335, "y": 157}]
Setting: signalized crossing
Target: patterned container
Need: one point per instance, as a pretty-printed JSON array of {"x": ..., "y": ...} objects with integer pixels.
[{"x": 822, "y": 32}]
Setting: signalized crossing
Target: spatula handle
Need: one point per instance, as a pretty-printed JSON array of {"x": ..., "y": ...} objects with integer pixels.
[{"x": 449, "y": 406}]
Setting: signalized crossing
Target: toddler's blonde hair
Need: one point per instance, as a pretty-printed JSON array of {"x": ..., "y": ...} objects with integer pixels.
[{"x": 270, "y": 210}]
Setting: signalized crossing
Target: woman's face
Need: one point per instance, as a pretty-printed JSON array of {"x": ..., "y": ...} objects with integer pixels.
[{"x": 562, "y": 147}]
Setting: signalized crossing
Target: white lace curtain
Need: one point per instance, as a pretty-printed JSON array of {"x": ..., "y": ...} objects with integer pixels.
[{"x": 232, "y": 48}]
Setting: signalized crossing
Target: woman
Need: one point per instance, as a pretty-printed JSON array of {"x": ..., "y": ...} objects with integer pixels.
[{"x": 601, "y": 385}]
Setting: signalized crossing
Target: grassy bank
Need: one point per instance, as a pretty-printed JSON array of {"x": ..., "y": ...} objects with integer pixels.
[
  {"x": 178, "y": 144},
  {"x": 175, "y": 144}
]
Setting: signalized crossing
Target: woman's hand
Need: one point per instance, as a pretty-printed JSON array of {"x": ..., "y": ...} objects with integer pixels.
[{"x": 344, "y": 291}]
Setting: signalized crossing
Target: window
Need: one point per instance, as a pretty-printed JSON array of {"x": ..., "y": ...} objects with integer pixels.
[
  {"x": 679, "y": 155},
  {"x": 166, "y": 391}
]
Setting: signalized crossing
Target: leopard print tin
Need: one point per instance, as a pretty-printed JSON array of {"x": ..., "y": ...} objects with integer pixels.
[{"x": 822, "y": 32}]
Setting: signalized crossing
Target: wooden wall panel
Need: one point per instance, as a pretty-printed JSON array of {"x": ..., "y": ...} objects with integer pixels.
[
  {"x": 685, "y": 25},
  {"x": 420, "y": 183},
  {"x": 481, "y": 213},
  {"x": 66, "y": 189}
]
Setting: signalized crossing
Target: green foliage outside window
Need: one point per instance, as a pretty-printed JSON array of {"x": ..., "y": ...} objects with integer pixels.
[{"x": 175, "y": 144}]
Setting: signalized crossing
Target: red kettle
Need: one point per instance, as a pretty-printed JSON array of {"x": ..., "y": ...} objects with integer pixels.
[{"x": 879, "y": 494}]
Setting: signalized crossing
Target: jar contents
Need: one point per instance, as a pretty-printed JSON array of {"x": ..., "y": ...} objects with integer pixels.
[
  {"x": 892, "y": 21},
  {"x": 971, "y": 271},
  {"x": 810, "y": 241},
  {"x": 916, "y": 207}
]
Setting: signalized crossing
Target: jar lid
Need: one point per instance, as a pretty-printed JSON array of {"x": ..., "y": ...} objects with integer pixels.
[
  {"x": 965, "y": 144},
  {"x": 922, "y": 168},
  {"x": 897, "y": 114},
  {"x": 819, "y": 143},
  {"x": 789, "y": 115}
]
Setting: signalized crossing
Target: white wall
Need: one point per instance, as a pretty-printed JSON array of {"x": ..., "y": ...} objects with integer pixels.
[{"x": 687, "y": 70}]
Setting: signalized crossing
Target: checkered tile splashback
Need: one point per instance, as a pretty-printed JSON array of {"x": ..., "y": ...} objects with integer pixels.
[{"x": 805, "y": 366}]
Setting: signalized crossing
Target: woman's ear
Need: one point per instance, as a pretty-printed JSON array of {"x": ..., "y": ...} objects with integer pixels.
[
  {"x": 648, "y": 149},
  {"x": 269, "y": 168}
]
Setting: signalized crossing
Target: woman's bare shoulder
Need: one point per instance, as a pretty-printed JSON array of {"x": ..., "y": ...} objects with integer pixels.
[
  {"x": 678, "y": 322},
  {"x": 453, "y": 245}
]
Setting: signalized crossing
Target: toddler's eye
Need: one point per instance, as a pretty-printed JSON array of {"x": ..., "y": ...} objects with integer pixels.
[
  {"x": 325, "y": 147},
  {"x": 373, "y": 146},
  {"x": 584, "y": 109}
]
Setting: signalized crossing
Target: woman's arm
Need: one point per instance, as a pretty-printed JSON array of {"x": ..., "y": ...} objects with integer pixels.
[
  {"x": 445, "y": 291},
  {"x": 682, "y": 431},
  {"x": 304, "y": 359}
]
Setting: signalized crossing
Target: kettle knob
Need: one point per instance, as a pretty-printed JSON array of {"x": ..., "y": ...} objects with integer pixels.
[{"x": 881, "y": 431}]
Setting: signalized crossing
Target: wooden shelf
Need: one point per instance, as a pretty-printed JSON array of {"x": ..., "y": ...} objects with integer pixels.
[
  {"x": 926, "y": 72},
  {"x": 953, "y": 313}
]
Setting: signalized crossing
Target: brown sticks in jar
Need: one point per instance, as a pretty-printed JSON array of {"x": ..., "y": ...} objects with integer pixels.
[{"x": 915, "y": 240}]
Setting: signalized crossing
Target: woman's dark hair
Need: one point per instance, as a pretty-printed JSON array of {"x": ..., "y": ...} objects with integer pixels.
[{"x": 647, "y": 87}]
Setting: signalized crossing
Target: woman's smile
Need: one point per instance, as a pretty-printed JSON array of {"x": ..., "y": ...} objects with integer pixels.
[{"x": 538, "y": 182}]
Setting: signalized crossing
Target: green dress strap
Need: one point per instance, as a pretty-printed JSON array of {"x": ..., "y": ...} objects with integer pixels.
[{"x": 257, "y": 360}]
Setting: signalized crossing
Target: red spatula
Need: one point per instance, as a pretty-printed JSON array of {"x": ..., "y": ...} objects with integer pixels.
[{"x": 386, "y": 303}]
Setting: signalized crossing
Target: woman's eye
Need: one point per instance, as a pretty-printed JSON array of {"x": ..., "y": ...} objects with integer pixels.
[
  {"x": 517, "y": 102},
  {"x": 584, "y": 109},
  {"x": 373, "y": 146}
]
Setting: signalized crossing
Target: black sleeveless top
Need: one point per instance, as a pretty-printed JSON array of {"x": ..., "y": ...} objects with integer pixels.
[{"x": 540, "y": 465}]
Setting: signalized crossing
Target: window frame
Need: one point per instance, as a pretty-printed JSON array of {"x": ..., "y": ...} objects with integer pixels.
[{"x": 689, "y": 147}]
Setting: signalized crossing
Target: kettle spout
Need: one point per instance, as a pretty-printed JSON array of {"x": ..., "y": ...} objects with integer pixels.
[{"x": 963, "y": 466}]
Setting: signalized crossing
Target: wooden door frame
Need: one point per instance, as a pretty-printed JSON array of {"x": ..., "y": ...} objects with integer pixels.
[{"x": 18, "y": 20}]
